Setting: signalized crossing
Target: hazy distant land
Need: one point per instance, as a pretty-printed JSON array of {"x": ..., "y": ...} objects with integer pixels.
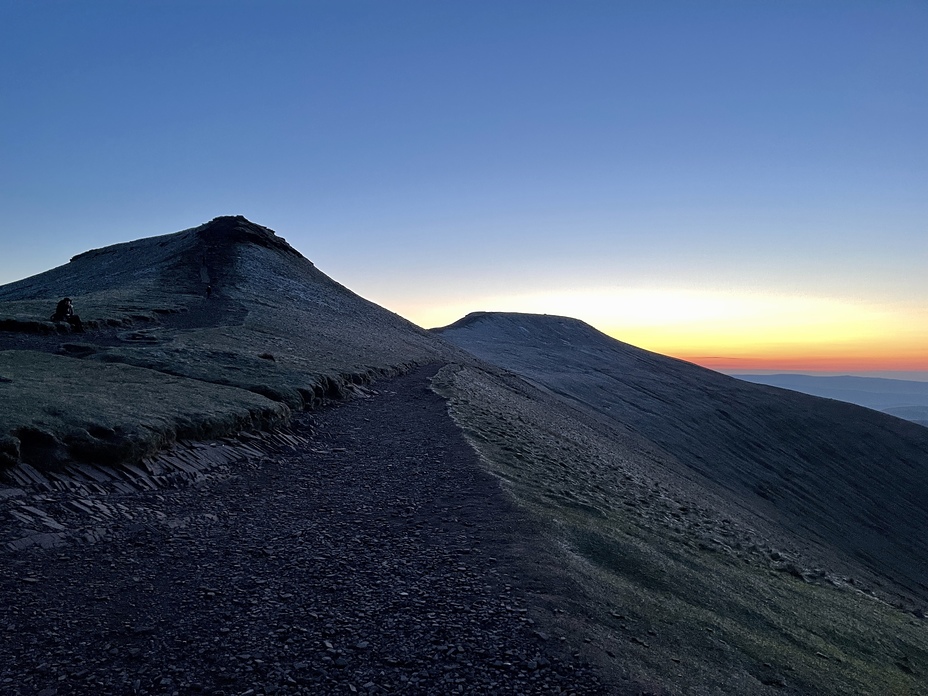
[{"x": 901, "y": 398}]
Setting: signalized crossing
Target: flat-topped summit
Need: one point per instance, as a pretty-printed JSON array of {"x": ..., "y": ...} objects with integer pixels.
[
  {"x": 180, "y": 262},
  {"x": 225, "y": 230},
  {"x": 851, "y": 479}
]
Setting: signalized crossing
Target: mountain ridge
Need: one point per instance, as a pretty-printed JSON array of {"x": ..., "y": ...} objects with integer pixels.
[
  {"x": 906, "y": 399},
  {"x": 689, "y": 512},
  {"x": 775, "y": 451}
]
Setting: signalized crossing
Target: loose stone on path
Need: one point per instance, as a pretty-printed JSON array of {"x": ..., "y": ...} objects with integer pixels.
[{"x": 378, "y": 559}]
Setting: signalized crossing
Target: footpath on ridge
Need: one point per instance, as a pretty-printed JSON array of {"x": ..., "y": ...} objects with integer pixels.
[{"x": 381, "y": 558}]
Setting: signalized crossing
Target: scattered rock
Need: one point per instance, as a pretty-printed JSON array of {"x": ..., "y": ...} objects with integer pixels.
[{"x": 289, "y": 572}]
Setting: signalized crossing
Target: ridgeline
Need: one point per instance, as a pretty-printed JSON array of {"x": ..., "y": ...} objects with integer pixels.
[{"x": 230, "y": 405}]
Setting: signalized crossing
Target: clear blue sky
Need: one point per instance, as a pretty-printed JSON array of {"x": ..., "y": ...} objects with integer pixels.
[{"x": 673, "y": 172}]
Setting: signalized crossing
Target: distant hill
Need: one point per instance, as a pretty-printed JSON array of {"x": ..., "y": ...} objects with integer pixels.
[{"x": 901, "y": 398}]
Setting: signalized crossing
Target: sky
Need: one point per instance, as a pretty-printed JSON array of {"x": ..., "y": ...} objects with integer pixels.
[{"x": 740, "y": 184}]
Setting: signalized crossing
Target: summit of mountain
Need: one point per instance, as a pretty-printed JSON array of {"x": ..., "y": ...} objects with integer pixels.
[
  {"x": 138, "y": 263},
  {"x": 760, "y": 531}
]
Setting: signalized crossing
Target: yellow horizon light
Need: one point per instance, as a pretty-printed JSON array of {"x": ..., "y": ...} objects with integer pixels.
[{"x": 726, "y": 330}]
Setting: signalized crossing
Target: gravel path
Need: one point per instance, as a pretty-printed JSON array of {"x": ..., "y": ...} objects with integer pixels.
[{"x": 381, "y": 559}]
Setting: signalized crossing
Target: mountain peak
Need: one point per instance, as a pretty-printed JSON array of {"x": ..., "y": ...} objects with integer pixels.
[{"x": 237, "y": 229}]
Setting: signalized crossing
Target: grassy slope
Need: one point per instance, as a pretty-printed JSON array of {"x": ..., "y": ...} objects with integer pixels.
[
  {"x": 284, "y": 330},
  {"x": 652, "y": 558},
  {"x": 61, "y": 407},
  {"x": 696, "y": 616}
]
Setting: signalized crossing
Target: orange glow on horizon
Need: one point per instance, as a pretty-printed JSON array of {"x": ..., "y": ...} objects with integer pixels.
[
  {"x": 725, "y": 331},
  {"x": 809, "y": 363},
  {"x": 819, "y": 355},
  {"x": 807, "y": 353}
]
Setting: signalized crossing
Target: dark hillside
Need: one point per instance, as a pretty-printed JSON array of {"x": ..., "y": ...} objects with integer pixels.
[
  {"x": 844, "y": 477},
  {"x": 274, "y": 332},
  {"x": 688, "y": 533}
]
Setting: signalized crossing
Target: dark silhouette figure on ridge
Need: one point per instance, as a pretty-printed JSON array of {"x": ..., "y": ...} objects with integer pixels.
[{"x": 64, "y": 311}]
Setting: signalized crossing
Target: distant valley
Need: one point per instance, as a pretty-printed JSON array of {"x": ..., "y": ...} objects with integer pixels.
[{"x": 901, "y": 398}]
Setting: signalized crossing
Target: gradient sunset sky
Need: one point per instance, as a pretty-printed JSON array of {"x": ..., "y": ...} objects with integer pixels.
[{"x": 742, "y": 184}]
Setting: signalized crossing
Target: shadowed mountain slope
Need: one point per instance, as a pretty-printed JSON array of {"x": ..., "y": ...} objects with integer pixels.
[
  {"x": 275, "y": 333},
  {"x": 846, "y": 478}
]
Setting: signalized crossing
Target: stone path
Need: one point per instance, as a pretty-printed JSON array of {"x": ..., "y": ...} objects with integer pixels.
[{"x": 379, "y": 558}]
